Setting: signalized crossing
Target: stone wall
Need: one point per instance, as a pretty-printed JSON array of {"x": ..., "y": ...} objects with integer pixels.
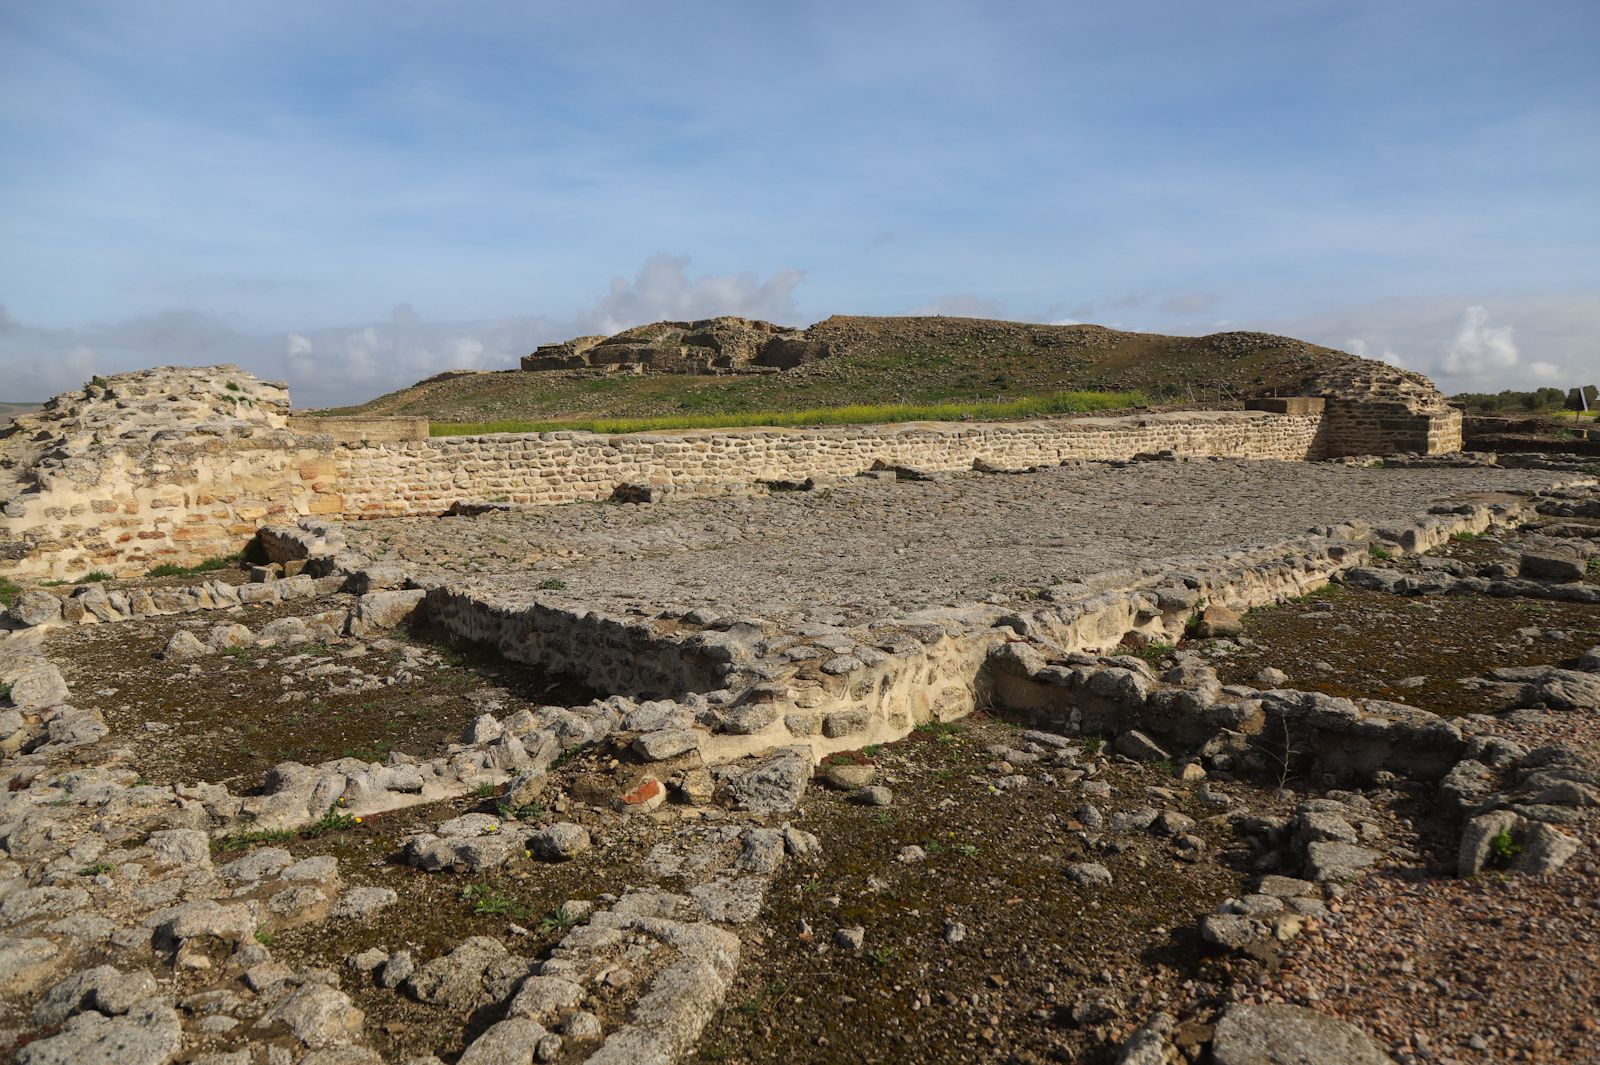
[
  {"x": 1373, "y": 408},
  {"x": 567, "y": 467},
  {"x": 173, "y": 464},
  {"x": 179, "y": 465},
  {"x": 359, "y": 430},
  {"x": 1364, "y": 427},
  {"x": 179, "y": 503},
  {"x": 187, "y": 499}
]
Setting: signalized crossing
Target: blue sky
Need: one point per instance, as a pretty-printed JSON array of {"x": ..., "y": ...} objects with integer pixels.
[{"x": 354, "y": 195}]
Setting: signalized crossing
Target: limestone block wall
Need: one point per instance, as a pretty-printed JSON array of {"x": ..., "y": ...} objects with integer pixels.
[
  {"x": 1373, "y": 408},
  {"x": 1367, "y": 428},
  {"x": 363, "y": 430},
  {"x": 127, "y": 508},
  {"x": 568, "y": 467},
  {"x": 178, "y": 503}
]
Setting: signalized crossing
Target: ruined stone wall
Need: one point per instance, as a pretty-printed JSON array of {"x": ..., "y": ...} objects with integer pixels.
[
  {"x": 1362, "y": 427},
  {"x": 188, "y": 499},
  {"x": 172, "y": 464},
  {"x": 1376, "y": 409},
  {"x": 568, "y": 467},
  {"x": 179, "y": 503}
]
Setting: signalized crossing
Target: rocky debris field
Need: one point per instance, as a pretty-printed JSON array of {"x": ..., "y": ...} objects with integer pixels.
[
  {"x": 58, "y": 439},
  {"x": 891, "y": 545},
  {"x": 304, "y": 823}
]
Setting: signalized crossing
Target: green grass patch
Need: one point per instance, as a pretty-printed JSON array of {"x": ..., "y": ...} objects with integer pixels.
[
  {"x": 1503, "y": 849},
  {"x": 568, "y": 755},
  {"x": 241, "y": 841},
  {"x": 9, "y": 590},
  {"x": 935, "y": 847},
  {"x": 858, "y": 414},
  {"x": 557, "y": 920},
  {"x": 98, "y": 576},
  {"x": 210, "y": 565},
  {"x": 335, "y": 820},
  {"x": 1155, "y": 651},
  {"x": 938, "y": 729},
  {"x": 488, "y": 902},
  {"x": 530, "y": 812}
]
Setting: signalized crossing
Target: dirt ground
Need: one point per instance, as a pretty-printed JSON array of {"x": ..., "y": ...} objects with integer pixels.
[
  {"x": 1373, "y": 645},
  {"x": 977, "y": 946},
  {"x": 1048, "y": 970},
  {"x": 229, "y": 717}
]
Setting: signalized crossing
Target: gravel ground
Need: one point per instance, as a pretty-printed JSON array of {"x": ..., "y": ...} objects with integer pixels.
[{"x": 876, "y": 548}]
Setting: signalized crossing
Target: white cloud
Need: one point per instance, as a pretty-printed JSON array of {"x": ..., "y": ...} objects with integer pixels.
[
  {"x": 663, "y": 290},
  {"x": 350, "y": 364},
  {"x": 1467, "y": 344},
  {"x": 1359, "y": 346},
  {"x": 1479, "y": 348}
]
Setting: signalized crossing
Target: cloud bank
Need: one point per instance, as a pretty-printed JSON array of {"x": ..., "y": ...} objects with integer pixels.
[
  {"x": 1515, "y": 342},
  {"x": 1465, "y": 344},
  {"x": 350, "y": 364}
]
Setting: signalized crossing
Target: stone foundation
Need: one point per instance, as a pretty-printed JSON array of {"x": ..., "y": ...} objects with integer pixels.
[
  {"x": 191, "y": 499},
  {"x": 180, "y": 465},
  {"x": 570, "y": 467}
]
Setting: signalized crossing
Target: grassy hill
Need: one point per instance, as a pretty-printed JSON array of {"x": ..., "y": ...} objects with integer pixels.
[{"x": 909, "y": 361}]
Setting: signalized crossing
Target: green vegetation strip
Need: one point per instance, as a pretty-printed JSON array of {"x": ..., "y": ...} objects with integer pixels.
[{"x": 975, "y": 410}]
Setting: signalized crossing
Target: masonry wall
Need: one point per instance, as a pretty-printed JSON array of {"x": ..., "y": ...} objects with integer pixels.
[
  {"x": 568, "y": 467},
  {"x": 1365, "y": 427},
  {"x": 177, "y": 503},
  {"x": 183, "y": 502}
]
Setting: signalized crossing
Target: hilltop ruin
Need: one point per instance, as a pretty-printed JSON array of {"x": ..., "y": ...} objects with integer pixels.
[
  {"x": 176, "y": 465},
  {"x": 1078, "y": 737}
]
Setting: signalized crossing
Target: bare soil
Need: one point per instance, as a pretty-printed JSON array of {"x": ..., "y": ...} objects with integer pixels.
[
  {"x": 1036, "y": 945},
  {"x": 225, "y": 718},
  {"x": 1360, "y": 644}
]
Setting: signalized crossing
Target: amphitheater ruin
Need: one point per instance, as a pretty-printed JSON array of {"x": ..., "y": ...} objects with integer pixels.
[{"x": 934, "y": 741}]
